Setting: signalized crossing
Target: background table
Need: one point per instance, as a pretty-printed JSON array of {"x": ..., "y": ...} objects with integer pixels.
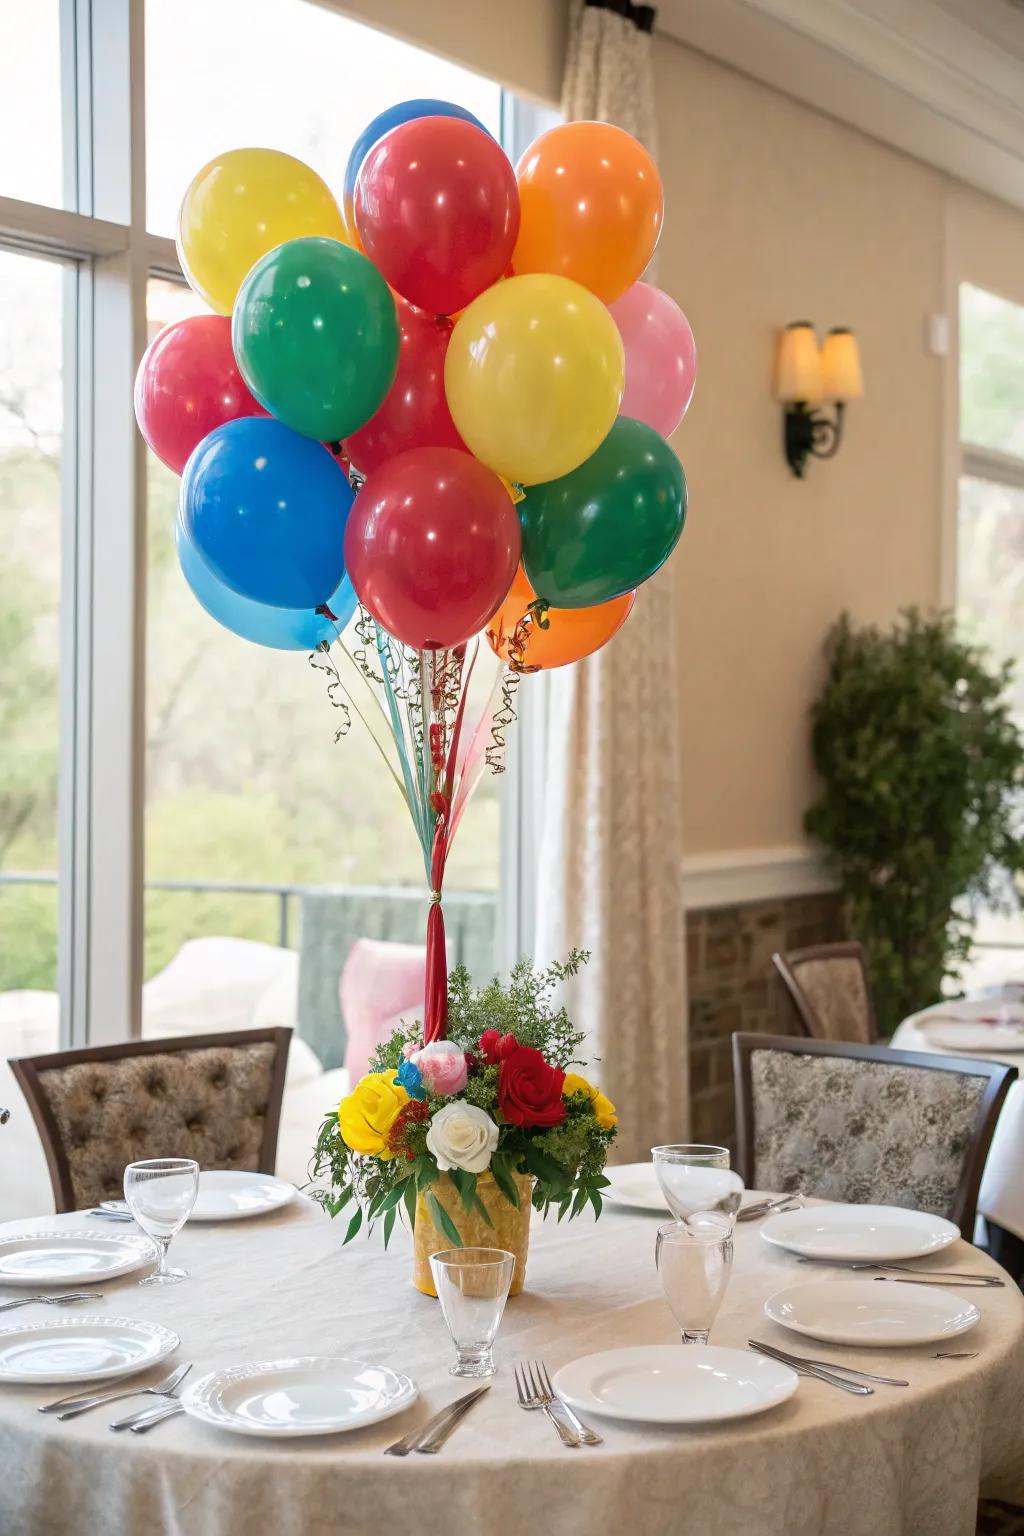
[
  {"x": 1001, "y": 1197},
  {"x": 823, "y": 1464}
]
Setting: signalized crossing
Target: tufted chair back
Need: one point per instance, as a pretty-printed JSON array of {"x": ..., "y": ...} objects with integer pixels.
[
  {"x": 215, "y": 1098},
  {"x": 866, "y": 1124},
  {"x": 828, "y": 989}
]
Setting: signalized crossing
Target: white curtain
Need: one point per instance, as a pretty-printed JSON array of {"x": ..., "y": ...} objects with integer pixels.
[{"x": 611, "y": 851}]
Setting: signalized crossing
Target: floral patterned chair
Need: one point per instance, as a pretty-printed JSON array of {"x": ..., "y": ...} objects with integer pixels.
[
  {"x": 827, "y": 986},
  {"x": 215, "y": 1098},
  {"x": 866, "y": 1124}
]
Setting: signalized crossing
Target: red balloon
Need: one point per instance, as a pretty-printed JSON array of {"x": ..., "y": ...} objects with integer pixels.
[
  {"x": 415, "y": 412},
  {"x": 437, "y": 210},
  {"x": 431, "y": 547},
  {"x": 188, "y": 383}
]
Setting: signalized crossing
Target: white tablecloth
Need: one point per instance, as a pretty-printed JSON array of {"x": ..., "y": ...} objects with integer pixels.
[
  {"x": 824, "y": 1464},
  {"x": 1001, "y": 1198}
]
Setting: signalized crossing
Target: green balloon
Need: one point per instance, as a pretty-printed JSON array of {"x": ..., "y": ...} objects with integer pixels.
[
  {"x": 608, "y": 525},
  {"x": 315, "y": 336}
]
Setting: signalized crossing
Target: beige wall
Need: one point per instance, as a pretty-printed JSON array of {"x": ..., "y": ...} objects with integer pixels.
[{"x": 774, "y": 213}]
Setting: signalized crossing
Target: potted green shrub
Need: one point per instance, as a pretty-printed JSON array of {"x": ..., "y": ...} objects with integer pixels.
[{"x": 922, "y": 766}]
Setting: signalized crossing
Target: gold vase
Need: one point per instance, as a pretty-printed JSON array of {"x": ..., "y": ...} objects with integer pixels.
[{"x": 511, "y": 1229}]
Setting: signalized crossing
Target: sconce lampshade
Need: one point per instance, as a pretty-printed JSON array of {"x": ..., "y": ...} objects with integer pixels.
[
  {"x": 797, "y": 365},
  {"x": 841, "y": 377}
]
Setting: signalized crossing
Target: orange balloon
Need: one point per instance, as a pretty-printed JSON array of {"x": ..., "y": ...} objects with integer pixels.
[
  {"x": 591, "y": 206},
  {"x": 571, "y": 633}
]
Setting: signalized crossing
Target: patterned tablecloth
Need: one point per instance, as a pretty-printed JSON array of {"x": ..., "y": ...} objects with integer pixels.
[
  {"x": 1001, "y": 1197},
  {"x": 823, "y": 1464}
]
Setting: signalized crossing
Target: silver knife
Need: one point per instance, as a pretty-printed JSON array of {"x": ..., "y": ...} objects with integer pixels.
[
  {"x": 440, "y": 1424},
  {"x": 816, "y": 1373}
]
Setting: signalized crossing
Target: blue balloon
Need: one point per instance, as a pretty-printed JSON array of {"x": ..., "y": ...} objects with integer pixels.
[
  {"x": 266, "y": 510},
  {"x": 392, "y": 117},
  {"x": 282, "y": 629}
]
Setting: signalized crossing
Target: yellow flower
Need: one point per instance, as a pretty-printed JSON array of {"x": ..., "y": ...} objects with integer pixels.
[
  {"x": 604, "y": 1109},
  {"x": 365, "y": 1117}
]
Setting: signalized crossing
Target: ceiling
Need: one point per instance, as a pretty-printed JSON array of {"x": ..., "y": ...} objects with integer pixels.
[{"x": 941, "y": 79}]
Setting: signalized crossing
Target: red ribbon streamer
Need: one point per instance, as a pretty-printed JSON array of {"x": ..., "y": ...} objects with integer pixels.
[{"x": 435, "y": 1000}]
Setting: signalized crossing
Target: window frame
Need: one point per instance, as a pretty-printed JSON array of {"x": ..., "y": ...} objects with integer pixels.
[{"x": 109, "y": 256}]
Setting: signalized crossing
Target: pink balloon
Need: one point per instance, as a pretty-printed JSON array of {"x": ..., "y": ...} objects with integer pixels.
[{"x": 661, "y": 357}]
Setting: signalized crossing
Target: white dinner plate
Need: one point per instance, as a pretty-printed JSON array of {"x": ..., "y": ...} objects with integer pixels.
[
  {"x": 987, "y": 1039},
  {"x": 635, "y": 1185},
  {"x": 878, "y": 1233},
  {"x": 315, "y": 1395},
  {"x": 675, "y": 1384},
  {"x": 872, "y": 1312},
  {"x": 225, "y": 1194},
  {"x": 70, "y": 1349},
  {"x": 71, "y": 1258}
]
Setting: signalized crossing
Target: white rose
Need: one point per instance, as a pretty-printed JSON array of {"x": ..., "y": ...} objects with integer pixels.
[{"x": 462, "y": 1136}]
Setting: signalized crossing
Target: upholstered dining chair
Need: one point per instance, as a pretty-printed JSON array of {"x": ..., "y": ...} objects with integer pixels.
[
  {"x": 215, "y": 1098},
  {"x": 866, "y": 1124},
  {"x": 828, "y": 988}
]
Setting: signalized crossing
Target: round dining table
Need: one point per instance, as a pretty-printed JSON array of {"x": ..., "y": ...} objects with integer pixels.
[{"x": 823, "y": 1463}]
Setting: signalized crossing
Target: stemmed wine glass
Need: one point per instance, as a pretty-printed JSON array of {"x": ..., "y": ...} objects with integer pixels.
[
  {"x": 161, "y": 1193},
  {"x": 694, "y": 1260},
  {"x": 696, "y": 1178}
]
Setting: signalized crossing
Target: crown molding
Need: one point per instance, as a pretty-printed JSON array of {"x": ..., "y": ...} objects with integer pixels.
[
  {"x": 753, "y": 874},
  {"x": 942, "y": 80}
]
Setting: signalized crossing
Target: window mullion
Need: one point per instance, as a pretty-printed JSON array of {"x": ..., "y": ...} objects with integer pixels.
[{"x": 102, "y": 863}]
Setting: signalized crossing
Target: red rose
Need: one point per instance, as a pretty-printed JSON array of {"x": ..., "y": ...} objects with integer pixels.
[
  {"x": 495, "y": 1047},
  {"x": 529, "y": 1090}
]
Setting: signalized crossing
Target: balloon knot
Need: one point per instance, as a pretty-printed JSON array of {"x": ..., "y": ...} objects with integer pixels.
[
  {"x": 324, "y": 612},
  {"x": 538, "y": 610}
]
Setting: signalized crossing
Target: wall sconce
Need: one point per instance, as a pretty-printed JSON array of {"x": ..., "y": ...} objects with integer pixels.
[{"x": 804, "y": 377}]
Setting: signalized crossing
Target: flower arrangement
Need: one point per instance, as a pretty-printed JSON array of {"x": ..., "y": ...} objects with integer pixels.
[{"x": 496, "y": 1097}]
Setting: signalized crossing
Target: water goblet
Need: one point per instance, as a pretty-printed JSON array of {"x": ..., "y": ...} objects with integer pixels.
[
  {"x": 472, "y": 1287},
  {"x": 161, "y": 1193},
  {"x": 694, "y": 1260},
  {"x": 696, "y": 1178}
]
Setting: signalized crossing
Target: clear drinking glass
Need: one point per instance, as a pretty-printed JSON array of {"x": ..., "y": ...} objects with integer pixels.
[
  {"x": 472, "y": 1287},
  {"x": 694, "y": 1259},
  {"x": 160, "y": 1194},
  {"x": 696, "y": 1178}
]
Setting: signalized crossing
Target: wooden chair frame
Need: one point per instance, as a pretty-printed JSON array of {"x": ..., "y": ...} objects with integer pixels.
[
  {"x": 999, "y": 1078},
  {"x": 786, "y": 962},
  {"x": 29, "y": 1071}
]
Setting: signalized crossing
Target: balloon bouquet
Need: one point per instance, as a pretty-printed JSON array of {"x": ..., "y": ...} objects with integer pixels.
[{"x": 448, "y": 407}]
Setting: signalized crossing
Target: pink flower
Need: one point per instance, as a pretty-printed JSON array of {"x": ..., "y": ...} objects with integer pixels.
[
  {"x": 410, "y": 1048},
  {"x": 442, "y": 1066}
]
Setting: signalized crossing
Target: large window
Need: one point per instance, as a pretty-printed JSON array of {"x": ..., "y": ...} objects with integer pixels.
[
  {"x": 193, "y": 789},
  {"x": 990, "y": 532}
]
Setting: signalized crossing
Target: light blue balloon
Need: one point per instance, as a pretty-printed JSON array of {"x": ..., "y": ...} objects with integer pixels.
[
  {"x": 392, "y": 117},
  {"x": 281, "y": 629},
  {"x": 266, "y": 511}
]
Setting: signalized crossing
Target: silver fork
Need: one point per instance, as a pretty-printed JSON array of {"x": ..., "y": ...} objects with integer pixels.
[
  {"x": 71, "y": 1407},
  {"x": 530, "y": 1397},
  {"x": 588, "y": 1436},
  {"x": 53, "y": 1301}
]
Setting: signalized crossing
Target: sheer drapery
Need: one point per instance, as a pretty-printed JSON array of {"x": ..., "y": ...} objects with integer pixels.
[{"x": 611, "y": 860}]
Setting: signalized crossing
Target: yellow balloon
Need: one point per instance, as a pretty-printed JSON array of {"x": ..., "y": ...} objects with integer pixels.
[
  {"x": 534, "y": 376},
  {"x": 241, "y": 205}
]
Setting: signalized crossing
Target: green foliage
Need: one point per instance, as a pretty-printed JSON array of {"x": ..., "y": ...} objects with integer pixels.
[
  {"x": 524, "y": 1008},
  {"x": 923, "y": 768}
]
